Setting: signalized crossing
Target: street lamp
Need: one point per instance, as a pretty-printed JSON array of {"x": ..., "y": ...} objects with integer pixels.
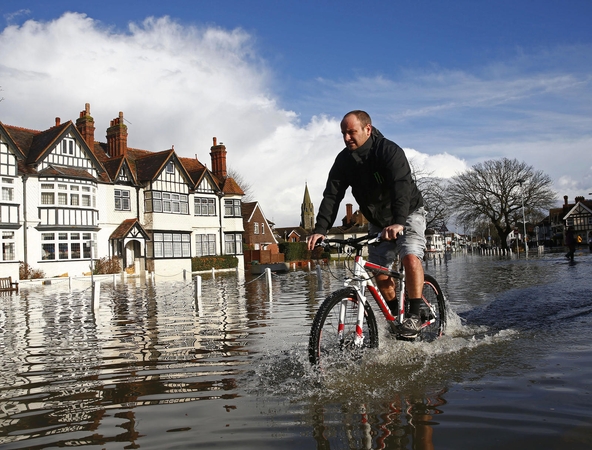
[{"x": 520, "y": 181}]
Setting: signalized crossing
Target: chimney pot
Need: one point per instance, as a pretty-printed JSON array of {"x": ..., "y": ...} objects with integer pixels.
[
  {"x": 86, "y": 126},
  {"x": 218, "y": 154},
  {"x": 57, "y": 121},
  {"x": 117, "y": 137}
]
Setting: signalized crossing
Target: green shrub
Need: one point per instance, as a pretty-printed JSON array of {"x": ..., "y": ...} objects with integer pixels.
[
  {"x": 294, "y": 251},
  {"x": 216, "y": 262}
]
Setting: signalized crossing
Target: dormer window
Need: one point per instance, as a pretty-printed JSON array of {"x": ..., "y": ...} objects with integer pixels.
[{"x": 68, "y": 146}]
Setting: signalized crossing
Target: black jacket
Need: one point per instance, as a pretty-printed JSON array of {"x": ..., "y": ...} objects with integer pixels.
[{"x": 380, "y": 177}]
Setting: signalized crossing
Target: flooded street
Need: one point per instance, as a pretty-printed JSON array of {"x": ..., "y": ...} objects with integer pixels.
[{"x": 153, "y": 368}]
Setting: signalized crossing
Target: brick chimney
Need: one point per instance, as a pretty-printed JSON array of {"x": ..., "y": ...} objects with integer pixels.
[
  {"x": 348, "y": 212},
  {"x": 218, "y": 154},
  {"x": 58, "y": 121},
  {"x": 117, "y": 137},
  {"x": 580, "y": 199},
  {"x": 86, "y": 126},
  {"x": 565, "y": 200}
]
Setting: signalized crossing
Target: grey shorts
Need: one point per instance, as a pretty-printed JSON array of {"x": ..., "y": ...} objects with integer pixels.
[{"x": 412, "y": 242}]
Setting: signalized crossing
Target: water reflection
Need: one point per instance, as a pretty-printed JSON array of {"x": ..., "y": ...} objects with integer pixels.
[
  {"x": 405, "y": 422},
  {"x": 153, "y": 359}
]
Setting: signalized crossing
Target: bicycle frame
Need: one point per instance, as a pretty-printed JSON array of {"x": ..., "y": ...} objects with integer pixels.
[{"x": 362, "y": 280}]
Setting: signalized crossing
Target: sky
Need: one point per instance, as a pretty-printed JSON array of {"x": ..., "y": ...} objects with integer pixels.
[{"x": 453, "y": 83}]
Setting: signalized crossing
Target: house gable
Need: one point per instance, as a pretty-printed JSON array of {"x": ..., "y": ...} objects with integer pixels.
[
  {"x": 580, "y": 217},
  {"x": 9, "y": 147},
  {"x": 124, "y": 174},
  {"x": 164, "y": 172},
  {"x": 257, "y": 229},
  {"x": 207, "y": 184}
]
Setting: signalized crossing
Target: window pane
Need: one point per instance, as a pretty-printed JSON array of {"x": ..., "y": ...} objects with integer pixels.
[
  {"x": 7, "y": 194},
  {"x": 8, "y": 251},
  {"x": 47, "y": 198},
  {"x": 47, "y": 251},
  {"x": 75, "y": 250},
  {"x": 86, "y": 249},
  {"x": 63, "y": 250}
]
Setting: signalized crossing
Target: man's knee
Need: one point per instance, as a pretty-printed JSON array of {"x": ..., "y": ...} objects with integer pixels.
[{"x": 411, "y": 262}]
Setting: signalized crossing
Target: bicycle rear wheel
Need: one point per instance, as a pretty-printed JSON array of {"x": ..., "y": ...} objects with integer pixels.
[
  {"x": 433, "y": 297},
  {"x": 331, "y": 342}
]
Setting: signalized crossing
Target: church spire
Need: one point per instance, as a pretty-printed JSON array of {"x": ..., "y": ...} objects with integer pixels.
[{"x": 307, "y": 211}]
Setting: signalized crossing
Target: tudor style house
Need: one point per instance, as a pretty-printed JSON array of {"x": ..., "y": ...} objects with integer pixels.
[
  {"x": 577, "y": 214},
  {"x": 67, "y": 199}
]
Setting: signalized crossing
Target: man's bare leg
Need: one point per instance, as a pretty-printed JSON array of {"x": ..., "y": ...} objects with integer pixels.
[
  {"x": 413, "y": 275},
  {"x": 386, "y": 286}
]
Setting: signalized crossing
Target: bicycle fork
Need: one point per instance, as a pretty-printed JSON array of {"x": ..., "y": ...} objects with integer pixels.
[{"x": 359, "y": 331}]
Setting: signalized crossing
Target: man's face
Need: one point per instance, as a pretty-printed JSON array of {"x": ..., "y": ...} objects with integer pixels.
[{"x": 354, "y": 135}]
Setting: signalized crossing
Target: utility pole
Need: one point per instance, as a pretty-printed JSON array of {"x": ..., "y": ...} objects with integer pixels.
[{"x": 520, "y": 181}]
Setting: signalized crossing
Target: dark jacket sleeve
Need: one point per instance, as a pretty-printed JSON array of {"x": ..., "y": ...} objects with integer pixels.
[
  {"x": 401, "y": 182},
  {"x": 334, "y": 192}
]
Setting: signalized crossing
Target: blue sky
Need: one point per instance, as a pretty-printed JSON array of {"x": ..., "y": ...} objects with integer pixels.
[{"x": 454, "y": 83}]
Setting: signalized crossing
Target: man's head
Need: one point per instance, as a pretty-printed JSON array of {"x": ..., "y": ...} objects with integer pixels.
[{"x": 356, "y": 128}]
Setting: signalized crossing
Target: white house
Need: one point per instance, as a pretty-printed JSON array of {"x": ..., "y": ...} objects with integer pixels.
[{"x": 67, "y": 198}]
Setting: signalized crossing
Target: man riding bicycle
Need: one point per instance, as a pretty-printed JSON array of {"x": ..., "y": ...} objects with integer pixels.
[{"x": 381, "y": 180}]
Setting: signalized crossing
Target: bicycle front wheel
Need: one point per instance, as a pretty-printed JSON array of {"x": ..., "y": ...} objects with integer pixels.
[
  {"x": 334, "y": 336},
  {"x": 433, "y": 297}
]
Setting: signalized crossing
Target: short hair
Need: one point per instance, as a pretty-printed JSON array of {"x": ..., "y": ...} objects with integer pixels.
[{"x": 362, "y": 116}]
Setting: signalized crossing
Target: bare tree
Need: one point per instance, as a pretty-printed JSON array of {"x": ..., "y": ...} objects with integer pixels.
[
  {"x": 244, "y": 185},
  {"x": 433, "y": 191},
  {"x": 493, "y": 190}
]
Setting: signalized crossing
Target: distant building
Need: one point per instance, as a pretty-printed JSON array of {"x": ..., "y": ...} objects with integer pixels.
[
  {"x": 307, "y": 215},
  {"x": 260, "y": 243},
  {"x": 577, "y": 214}
]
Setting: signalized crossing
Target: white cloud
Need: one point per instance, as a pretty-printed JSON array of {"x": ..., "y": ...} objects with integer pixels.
[
  {"x": 182, "y": 85},
  {"x": 440, "y": 166},
  {"x": 176, "y": 85}
]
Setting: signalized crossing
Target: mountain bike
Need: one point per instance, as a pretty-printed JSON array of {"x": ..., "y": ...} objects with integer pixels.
[{"x": 345, "y": 324}]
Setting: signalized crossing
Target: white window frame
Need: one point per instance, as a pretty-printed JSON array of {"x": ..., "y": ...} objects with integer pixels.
[
  {"x": 122, "y": 200},
  {"x": 233, "y": 244}
]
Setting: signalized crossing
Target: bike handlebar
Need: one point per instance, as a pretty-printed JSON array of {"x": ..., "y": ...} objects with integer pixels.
[{"x": 356, "y": 243}]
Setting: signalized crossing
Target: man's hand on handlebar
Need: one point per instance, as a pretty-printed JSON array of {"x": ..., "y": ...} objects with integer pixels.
[
  {"x": 312, "y": 240},
  {"x": 391, "y": 232}
]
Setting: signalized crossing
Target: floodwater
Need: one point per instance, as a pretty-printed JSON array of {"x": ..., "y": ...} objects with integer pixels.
[{"x": 152, "y": 368}]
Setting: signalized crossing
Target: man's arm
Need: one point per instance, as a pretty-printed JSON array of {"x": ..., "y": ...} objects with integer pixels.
[
  {"x": 332, "y": 196},
  {"x": 401, "y": 182}
]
